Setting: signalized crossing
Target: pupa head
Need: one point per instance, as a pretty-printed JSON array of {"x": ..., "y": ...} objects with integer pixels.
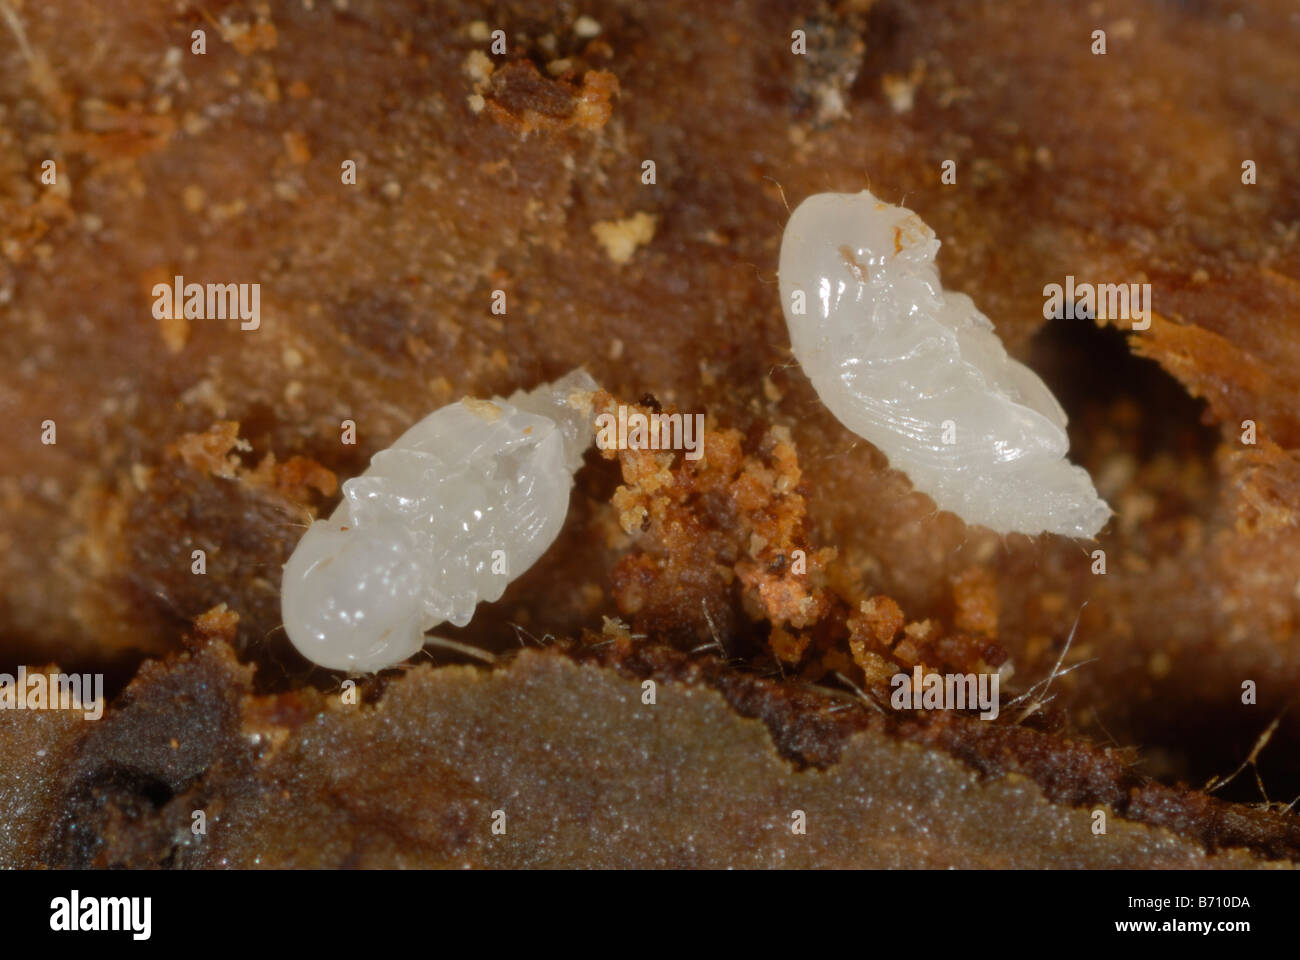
[
  {"x": 853, "y": 238},
  {"x": 353, "y": 595}
]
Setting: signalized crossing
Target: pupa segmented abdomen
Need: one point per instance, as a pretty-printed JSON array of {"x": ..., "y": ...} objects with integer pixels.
[
  {"x": 920, "y": 373},
  {"x": 423, "y": 535}
]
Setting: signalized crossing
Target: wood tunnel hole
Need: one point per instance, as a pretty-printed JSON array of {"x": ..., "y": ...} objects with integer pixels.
[{"x": 1120, "y": 404}]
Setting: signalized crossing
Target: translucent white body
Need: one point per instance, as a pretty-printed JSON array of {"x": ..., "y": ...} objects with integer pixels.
[
  {"x": 920, "y": 373},
  {"x": 415, "y": 541}
]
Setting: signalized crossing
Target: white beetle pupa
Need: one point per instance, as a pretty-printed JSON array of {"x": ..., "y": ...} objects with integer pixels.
[
  {"x": 919, "y": 372},
  {"x": 421, "y": 536}
]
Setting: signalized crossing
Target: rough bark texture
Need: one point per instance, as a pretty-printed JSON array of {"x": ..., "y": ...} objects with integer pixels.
[{"x": 586, "y": 774}]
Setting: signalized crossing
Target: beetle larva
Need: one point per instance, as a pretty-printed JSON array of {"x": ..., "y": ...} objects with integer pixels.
[
  {"x": 462, "y": 502},
  {"x": 920, "y": 373}
]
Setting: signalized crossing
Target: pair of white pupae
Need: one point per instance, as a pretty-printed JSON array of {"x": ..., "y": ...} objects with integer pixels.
[{"x": 420, "y": 537}]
